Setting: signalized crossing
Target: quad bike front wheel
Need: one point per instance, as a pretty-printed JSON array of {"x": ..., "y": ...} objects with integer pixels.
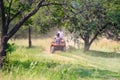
[{"x": 52, "y": 49}]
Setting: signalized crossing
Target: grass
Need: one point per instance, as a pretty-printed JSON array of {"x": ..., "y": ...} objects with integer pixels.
[{"x": 37, "y": 63}]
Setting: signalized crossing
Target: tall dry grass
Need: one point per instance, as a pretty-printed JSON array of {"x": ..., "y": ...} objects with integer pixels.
[{"x": 106, "y": 45}]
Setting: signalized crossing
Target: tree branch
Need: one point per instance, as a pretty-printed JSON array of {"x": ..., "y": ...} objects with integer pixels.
[
  {"x": 82, "y": 36},
  {"x": 98, "y": 32},
  {"x": 9, "y": 9},
  {"x": 46, "y": 4},
  {"x": 26, "y": 17},
  {"x": 8, "y": 16},
  {"x": 19, "y": 12}
]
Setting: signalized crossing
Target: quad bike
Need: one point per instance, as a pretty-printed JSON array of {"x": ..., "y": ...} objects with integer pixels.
[{"x": 60, "y": 45}]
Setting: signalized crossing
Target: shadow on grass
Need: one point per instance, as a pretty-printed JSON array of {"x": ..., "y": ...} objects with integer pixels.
[
  {"x": 103, "y": 54},
  {"x": 30, "y": 64},
  {"x": 97, "y": 73}
]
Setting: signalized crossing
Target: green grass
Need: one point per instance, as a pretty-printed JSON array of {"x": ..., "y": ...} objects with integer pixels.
[{"x": 37, "y": 63}]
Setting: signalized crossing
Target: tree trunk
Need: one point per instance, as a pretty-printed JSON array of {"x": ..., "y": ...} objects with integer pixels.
[
  {"x": 4, "y": 29},
  {"x": 3, "y": 49},
  {"x": 86, "y": 46},
  {"x": 86, "y": 43},
  {"x": 29, "y": 37}
]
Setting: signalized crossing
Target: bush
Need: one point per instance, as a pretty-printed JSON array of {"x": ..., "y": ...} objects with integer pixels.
[{"x": 10, "y": 48}]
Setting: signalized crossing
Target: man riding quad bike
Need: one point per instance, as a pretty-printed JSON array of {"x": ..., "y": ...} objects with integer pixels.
[{"x": 58, "y": 44}]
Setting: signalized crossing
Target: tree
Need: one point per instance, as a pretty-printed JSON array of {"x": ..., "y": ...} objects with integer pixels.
[
  {"x": 113, "y": 32},
  {"x": 23, "y": 12},
  {"x": 89, "y": 20},
  {"x": 29, "y": 37}
]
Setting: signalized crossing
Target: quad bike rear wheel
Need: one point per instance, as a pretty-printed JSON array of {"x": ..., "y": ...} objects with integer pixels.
[{"x": 52, "y": 49}]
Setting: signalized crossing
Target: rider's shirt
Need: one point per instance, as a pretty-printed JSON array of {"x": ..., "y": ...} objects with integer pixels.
[{"x": 61, "y": 34}]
